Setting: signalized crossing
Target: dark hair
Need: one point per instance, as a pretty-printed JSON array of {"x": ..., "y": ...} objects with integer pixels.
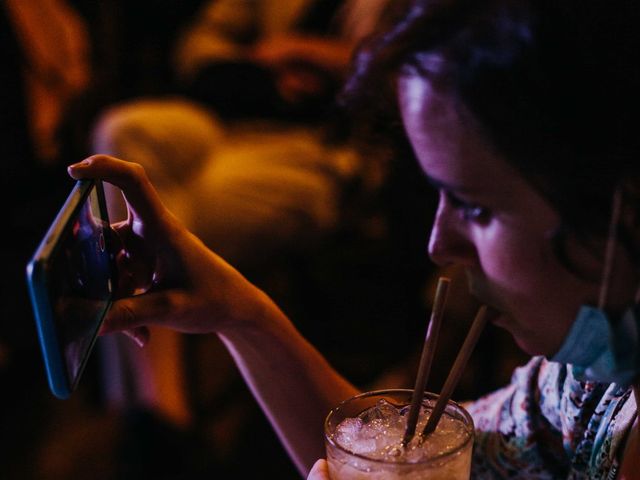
[{"x": 552, "y": 84}]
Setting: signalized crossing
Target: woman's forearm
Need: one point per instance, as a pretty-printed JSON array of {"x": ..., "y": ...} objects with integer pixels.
[{"x": 293, "y": 383}]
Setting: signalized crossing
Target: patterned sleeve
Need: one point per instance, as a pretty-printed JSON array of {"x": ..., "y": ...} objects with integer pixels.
[{"x": 518, "y": 428}]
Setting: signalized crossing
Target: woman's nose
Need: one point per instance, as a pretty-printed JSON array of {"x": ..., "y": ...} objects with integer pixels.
[{"x": 449, "y": 243}]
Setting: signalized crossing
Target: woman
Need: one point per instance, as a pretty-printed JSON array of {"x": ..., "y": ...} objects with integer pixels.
[{"x": 519, "y": 114}]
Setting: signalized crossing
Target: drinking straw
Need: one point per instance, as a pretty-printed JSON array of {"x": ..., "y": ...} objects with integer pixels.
[
  {"x": 426, "y": 358},
  {"x": 456, "y": 371}
]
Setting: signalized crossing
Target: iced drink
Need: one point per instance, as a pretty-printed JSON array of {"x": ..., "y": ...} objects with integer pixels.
[{"x": 363, "y": 437}]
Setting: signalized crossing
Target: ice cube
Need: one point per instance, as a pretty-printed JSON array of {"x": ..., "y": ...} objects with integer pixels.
[
  {"x": 348, "y": 432},
  {"x": 349, "y": 426},
  {"x": 382, "y": 410},
  {"x": 357, "y": 436},
  {"x": 364, "y": 446},
  {"x": 404, "y": 411},
  {"x": 383, "y": 413}
]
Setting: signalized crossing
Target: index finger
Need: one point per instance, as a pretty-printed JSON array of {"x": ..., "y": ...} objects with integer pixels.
[{"x": 143, "y": 200}]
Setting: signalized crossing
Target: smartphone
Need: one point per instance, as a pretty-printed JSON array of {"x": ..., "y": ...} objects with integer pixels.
[{"x": 71, "y": 280}]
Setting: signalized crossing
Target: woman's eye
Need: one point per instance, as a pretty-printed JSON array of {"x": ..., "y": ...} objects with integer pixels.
[
  {"x": 473, "y": 212},
  {"x": 468, "y": 211}
]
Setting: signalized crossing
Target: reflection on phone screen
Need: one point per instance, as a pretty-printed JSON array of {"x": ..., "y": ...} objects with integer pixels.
[{"x": 81, "y": 284}]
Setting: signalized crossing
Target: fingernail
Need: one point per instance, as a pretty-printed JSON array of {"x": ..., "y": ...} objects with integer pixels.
[
  {"x": 84, "y": 163},
  {"x": 139, "y": 338}
]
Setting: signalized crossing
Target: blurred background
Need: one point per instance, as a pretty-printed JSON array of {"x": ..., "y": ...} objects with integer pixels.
[{"x": 229, "y": 105}]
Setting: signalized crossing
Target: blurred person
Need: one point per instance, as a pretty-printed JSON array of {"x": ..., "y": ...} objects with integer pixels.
[
  {"x": 56, "y": 68},
  {"x": 246, "y": 140}
]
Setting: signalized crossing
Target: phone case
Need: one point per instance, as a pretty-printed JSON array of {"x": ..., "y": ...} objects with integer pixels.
[{"x": 40, "y": 282}]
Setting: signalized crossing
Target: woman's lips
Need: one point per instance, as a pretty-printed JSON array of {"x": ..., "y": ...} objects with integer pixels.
[{"x": 481, "y": 291}]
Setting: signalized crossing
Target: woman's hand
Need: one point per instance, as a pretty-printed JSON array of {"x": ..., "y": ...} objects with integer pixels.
[
  {"x": 188, "y": 288},
  {"x": 320, "y": 471},
  {"x": 184, "y": 285}
]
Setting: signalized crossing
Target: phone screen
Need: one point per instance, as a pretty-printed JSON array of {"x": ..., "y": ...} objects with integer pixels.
[
  {"x": 80, "y": 288},
  {"x": 70, "y": 282}
]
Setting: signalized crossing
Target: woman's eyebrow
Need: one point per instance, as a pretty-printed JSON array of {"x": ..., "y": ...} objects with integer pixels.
[{"x": 441, "y": 185}]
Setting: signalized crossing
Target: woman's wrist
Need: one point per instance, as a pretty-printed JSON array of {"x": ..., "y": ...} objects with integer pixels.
[{"x": 255, "y": 314}]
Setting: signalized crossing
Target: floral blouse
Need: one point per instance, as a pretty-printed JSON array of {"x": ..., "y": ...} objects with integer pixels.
[{"x": 547, "y": 425}]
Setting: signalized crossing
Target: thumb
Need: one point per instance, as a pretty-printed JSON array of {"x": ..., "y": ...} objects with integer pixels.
[
  {"x": 319, "y": 471},
  {"x": 129, "y": 314}
]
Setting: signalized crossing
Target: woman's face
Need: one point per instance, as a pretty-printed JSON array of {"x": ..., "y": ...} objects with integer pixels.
[{"x": 492, "y": 223}]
